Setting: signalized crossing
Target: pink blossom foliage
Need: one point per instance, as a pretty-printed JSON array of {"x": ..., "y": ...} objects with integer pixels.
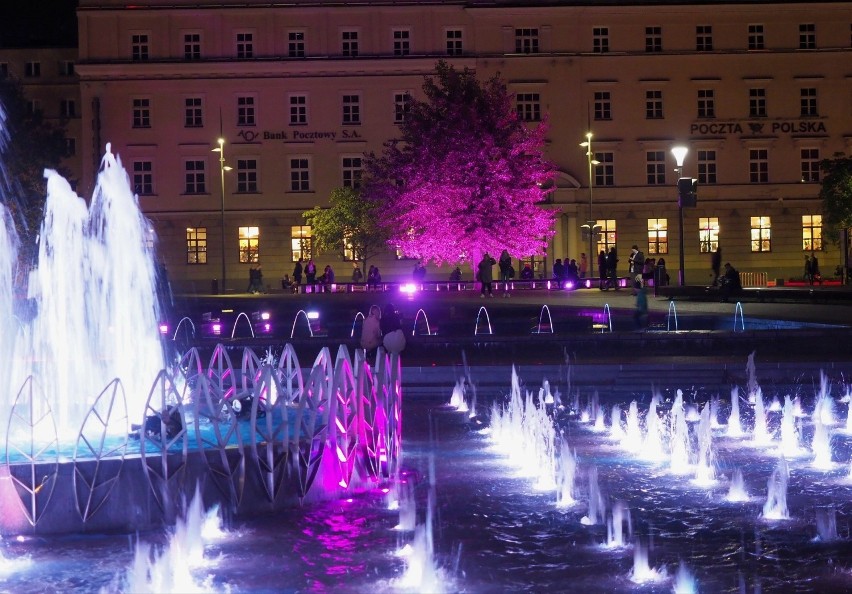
[{"x": 466, "y": 177}]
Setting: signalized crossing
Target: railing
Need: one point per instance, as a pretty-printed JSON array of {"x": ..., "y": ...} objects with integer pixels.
[
  {"x": 753, "y": 279},
  {"x": 469, "y": 285}
]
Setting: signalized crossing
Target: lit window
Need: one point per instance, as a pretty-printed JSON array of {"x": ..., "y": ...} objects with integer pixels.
[
  {"x": 607, "y": 236},
  {"x": 761, "y": 234},
  {"x": 301, "y": 243},
  {"x": 296, "y": 44},
  {"x": 812, "y": 233},
  {"x": 605, "y": 169},
  {"x": 401, "y": 42},
  {"x": 351, "y": 167},
  {"x": 758, "y": 166},
  {"x": 653, "y": 105},
  {"x": 350, "y": 254},
  {"x": 529, "y": 107},
  {"x": 526, "y": 41},
  {"x": 298, "y": 110},
  {"x": 196, "y": 245},
  {"x": 600, "y": 40},
  {"x": 603, "y": 105},
  {"x": 755, "y": 37},
  {"x": 193, "y": 113},
  {"x": 143, "y": 178},
  {"x": 655, "y": 168},
  {"x": 658, "y": 236},
  {"x": 653, "y": 39},
  {"x": 455, "y": 42},
  {"x": 349, "y": 43},
  {"x": 704, "y": 38},
  {"x": 706, "y": 167},
  {"x": 249, "y": 245},
  {"x": 247, "y": 175},
  {"x": 708, "y": 234},
  {"x": 300, "y": 174}
]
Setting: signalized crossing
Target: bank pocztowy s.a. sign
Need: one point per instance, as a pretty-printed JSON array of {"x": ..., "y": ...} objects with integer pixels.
[
  {"x": 758, "y": 128},
  {"x": 299, "y": 135}
]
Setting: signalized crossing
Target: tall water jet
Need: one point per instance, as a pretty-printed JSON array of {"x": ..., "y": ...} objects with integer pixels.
[
  {"x": 705, "y": 470},
  {"x": 615, "y": 525},
  {"x": 653, "y": 445},
  {"x": 821, "y": 446},
  {"x": 826, "y": 523},
  {"x": 679, "y": 437},
  {"x": 751, "y": 378},
  {"x": 632, "y": 440},
  {"x": 566, "y": 472},
  {"x": 824, "y": 407},
  {"x": 775, "y": 507},
  {"x": 597, "y": 506},
  {"x": 94, "y": 294},
  {"x": 761, "y": 435},
  {"x": 790, "y": 446},
  {"x": 735, "y": 428},
  {"x": 684, "y": 582},
  {"x": 737, "y": 491},
  {"x": 616, "y": 431},
  {"x": 642, "y": 571}
]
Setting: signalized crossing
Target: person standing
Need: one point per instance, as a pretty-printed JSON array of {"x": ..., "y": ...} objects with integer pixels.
[
  {"x": 297, "y": 272},
  {"x": 716, "y": 264},
  {"x": 640, "y": 314},
  {"x": 357, "y": 275},
  {"x": 506, "y": 271},
  {"x": 485, "y": 274},
  {"x": 612, "y": 268},
  {"x": 602, "y": 274},
  {"x": 815, "y": 273},
  {"x": 393, "y": 338},
  {"x": 583, "y": 266},
  {"x": 371, "y": 331},
  {"x": 311, "y": 272}
]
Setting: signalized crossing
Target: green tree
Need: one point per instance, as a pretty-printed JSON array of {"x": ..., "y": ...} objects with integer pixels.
[
  {"x": 28, "y": 146},
  {"x": 836, "y": 194},
  {"x": 349, "y": 221}
]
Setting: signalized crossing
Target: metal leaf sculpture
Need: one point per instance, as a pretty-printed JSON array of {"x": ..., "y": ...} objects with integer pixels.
[
  {"x": 270, "y": 437},
  {"x": 343, "y": 418},
  {"x": 372, "y": 420},
  {"x": 312, "y": 420},
  {"x": 93, "y": 479}
]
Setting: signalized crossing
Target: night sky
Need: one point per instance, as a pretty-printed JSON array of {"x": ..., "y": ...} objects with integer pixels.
[{"x": 38, "y": 23}]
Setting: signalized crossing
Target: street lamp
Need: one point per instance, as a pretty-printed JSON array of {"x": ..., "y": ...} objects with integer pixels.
[
  {"x": 679, "y": 153},
  {"x": 222, "y": 169},
  {"x": 591, "y": 224}
]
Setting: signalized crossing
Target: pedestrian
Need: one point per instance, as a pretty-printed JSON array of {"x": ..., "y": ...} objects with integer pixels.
[
  {"x": 612, "y": 268},
  {"x": 371, "y": 331},
  {"x": 636, "y": 264},
  {"x": 357, "y": 275},
  {"x": 730, "y": 282},
  {"x": 661, "y": 275},
  {"x": 583, "y": 266},
  {"x": 602, "y": 274},
  {"x": 297, "y": 272},
  {"x": 716, "y": 264},
  {"x": 816, "y": 276},
  {"x": 456, "y": 275},
  {"x": 328, "y": 278},
  {"x": 507, "y": 273},
  {"x": 485, "y": 274},
  {"x": 558, "y": 272},
  {"x": 640, "y": 314},
  {"x": 311, "y": 272},
  {"x": 393, "y": 338}
]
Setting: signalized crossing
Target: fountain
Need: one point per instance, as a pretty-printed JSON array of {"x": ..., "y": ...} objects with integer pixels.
[
  {"x": 670, "y": 316},
  {"x": 775, "y": 507},
  {"x": 417, "y": 316},
  {"x": 487, "y": 319},
  {"x": 734, "y": 426},
  {"x": 616, "y": 523},
  {"x": 737, "y": 491},
  {"x": 738, "y": 310},
  {"x": 242, "y": 315},
  {"x": 548, "y": 326},
  {"x": 358, "y": 316}
]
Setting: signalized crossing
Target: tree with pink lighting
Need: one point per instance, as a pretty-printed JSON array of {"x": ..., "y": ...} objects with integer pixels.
[{"x": 466, "y": 177}]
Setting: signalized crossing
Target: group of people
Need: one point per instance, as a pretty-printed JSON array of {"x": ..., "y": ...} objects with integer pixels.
[
  {"x": 382, "y": 328},
  {"x": 570, "y": 271}
]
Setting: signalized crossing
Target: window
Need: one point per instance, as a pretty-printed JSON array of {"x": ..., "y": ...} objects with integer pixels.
[
  {"x": 706, "y": 103},
  {"x": 300, "y": 174},
  {"x": 603, "y": 105},
  {"x": 529, "y": 107},
  {"x": 401, "y": 105},
  {"x": 455, "y": 42},
  {"x": 33, "y": 106},
  {"x": 351, "y": 110},
  {"x": 350, "y": 254},
  {"x": 758, "y": 166},
  {"x": 192, "y": 46},
  {"x": 139, "y": 47},
  {"x": 653, "y": 39},
  {"x": 761, "y": 234},
  {"x": 196, "y": 245},
  {"x": 706, "y": 167},
  {"x": 300, "y": 242},
  {"x": 811, "y": 233},
  {"x": 600, "y": 40},
  {"x": 296, "y": 44},
  {"x": 245, "y": 111},
  {"x": 245, "y": 45},
  {"x": 192, "y": 113},
  {"x": 703, "y": 38},
  {"x": 143, "y": 178},
  {"x": 68, "y": 108},
  {"x": 349, "y": 43},
  {"x": 655, "y": 167},
  {"x": 70, "y": 147},
  {"x": 32, "y": 69},
  {"x": 808, "y": 102},
  {"x": 757, "y": 103},
  {"x": 526, "y": 41},
  {"x": 607, "y": 236},
  {"x": 401, "y": 42},
  {"x": 66, "y": 68},
  {"x": 247, "y": 175},
  {"x": 807, "y": 36},
  {"x": 708, "y": 234},
  {"x": 658, "y": 236},
  {"x": 249, "y": 245},
  {"x": 755, "y": 37},
  {"x": 605, "y": 169},
  {"x": 351, "y": 167},
  {"x": 653, "y": 105},
  {"x": 298, "y": 110},
  {"x": 810, "y": 165},
  {"x": 194, "y": 177},
  {"x": 141, "y": 113}
]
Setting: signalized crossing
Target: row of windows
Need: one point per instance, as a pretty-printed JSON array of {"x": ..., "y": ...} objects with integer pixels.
[
  {"x": 247, "y": 175},
  {"x": 351, "y": 167},
  {"x": 67, "y": 107},
  {"x": 527, "y": 41},
  {"x": 32, "y": 68},
  {"x": 760, "y": 234},
  {"x": 708, "y": 172},
  {"x": 247, "y": 108},
  {"x": 301, "y": 242}
]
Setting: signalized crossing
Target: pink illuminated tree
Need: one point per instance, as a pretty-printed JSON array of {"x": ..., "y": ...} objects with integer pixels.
[{"x": 467, "y": 176}]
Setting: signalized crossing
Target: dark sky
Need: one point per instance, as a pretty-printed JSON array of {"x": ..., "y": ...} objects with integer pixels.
[{"x": 38, "y": 23}]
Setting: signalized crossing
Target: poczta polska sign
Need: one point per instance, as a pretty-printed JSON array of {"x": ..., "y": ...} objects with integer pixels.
[{"x": 758, "y": 128}]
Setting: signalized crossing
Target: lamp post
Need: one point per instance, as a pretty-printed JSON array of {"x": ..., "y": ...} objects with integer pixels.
[
  {"x": 222, "y": 169},
  {"x": 679, "y": 153},
  {"x": 590, "y": 223}
]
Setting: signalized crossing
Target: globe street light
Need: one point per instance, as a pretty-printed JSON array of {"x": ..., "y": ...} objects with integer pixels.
[
  {"x": 222, "y": 169},
  {"x": 591, "y": 224},
  {"x": 679, "y": 153}
]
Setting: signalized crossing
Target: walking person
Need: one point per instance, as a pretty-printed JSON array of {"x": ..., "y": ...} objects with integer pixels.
[
  {"x": 602, "y": 274},
  {"x": 612, "y": 268},
  {"x": 485, "y": 274}
]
